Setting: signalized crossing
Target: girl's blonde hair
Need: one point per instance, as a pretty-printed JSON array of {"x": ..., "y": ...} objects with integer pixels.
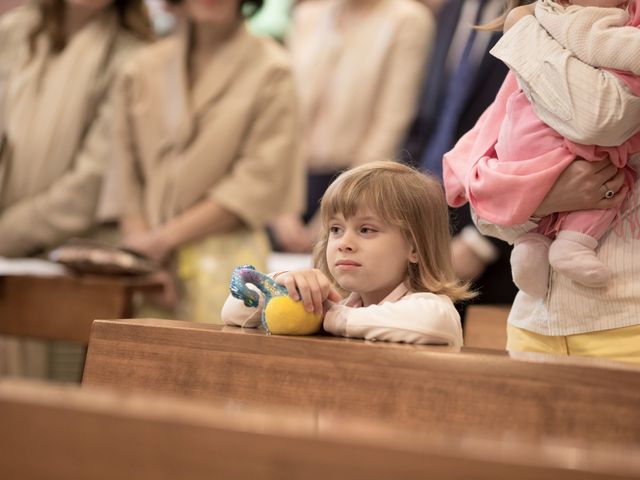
[
  {"x": 497, "y": 24},
  {"x": 409, "y": 200}
]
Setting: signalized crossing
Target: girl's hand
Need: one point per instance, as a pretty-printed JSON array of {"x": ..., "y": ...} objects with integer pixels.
[
  {"x": 517, "y": 14},
  {"x": 582, "y": 187},
  {"x": 311, "y": 286}
]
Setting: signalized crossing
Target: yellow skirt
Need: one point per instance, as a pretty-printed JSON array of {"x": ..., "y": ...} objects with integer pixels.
[
  {"x": 622, "y": 344},
  {"x": 203, "y": 271}
]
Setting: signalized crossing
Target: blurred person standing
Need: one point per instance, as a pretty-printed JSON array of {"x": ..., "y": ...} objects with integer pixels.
[
  {"x": 358, "y": 66},
  {"x": 207, "y": 138},
  {"x": 58, "y": 60},
  {"x": 273, "y": 19},
  {"x": 57, "y": 63},
  {"x": 461, "y": 82}
]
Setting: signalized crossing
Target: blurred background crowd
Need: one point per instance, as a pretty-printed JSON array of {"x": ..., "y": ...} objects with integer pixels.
[{"x": 203, "y": 133}]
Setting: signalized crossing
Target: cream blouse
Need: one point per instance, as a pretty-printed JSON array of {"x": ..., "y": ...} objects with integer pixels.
[
  {"x": 233, "y": 137},
  {"x": 55, "y": 129}
]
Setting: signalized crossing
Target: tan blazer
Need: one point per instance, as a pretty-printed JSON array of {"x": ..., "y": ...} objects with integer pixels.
[
  {"x": 55, "y": 129},
  {"x": 358, "y": 84},
  {"x": 232, "y": 138}
]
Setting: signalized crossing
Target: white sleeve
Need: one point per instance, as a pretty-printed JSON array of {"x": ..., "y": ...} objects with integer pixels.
[
  {"x": 420, "y": 318},
  {"x": 236, "y": 313},
  {"x": 582, "y": 103}
]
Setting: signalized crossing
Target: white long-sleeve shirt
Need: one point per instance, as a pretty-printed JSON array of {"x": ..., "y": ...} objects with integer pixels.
[
  {"x": 589, "y": 105},
  {"x": 419, "y": 318}
]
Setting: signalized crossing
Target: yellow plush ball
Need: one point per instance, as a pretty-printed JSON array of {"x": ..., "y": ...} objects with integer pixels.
[{"x": 285, "y": 316}]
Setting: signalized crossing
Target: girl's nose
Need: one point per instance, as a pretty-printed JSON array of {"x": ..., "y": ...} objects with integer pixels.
[{"x": 347, "y": 242}]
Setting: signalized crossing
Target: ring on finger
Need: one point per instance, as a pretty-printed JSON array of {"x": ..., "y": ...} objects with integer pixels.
[{"x": 608, "y": 193}]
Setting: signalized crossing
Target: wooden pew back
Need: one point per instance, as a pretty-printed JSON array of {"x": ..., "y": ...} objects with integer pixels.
[
  {"x": 410, "y": 385},
  {"x": 63, "y": 307},
  {"x": 485, "y": 326},
  {"x": 66, "y": 433}
]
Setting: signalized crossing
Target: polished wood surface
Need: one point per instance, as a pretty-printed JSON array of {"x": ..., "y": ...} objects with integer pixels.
[
  {"x": 476, "y": 390},
  {"x": 63, "y": 307},
  {"x": 485, "y": 326},
  {"x": 57, "y": 432}
]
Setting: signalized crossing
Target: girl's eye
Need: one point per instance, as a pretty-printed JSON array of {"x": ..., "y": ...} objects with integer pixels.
[
  {"x": 334, "y": 229},
  {"x": 367, "y": 230}
]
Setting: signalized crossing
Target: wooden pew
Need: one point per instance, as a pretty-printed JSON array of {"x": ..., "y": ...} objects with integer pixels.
[
  {"x": 57, "y": 432},
  {"x": 431, "y": 387},
  {"x": 485, "y": 326},
  {"x": 63, "y": 307}
]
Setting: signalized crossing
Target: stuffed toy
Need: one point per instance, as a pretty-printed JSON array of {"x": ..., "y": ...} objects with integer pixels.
[{"x": 281, "y": 315}]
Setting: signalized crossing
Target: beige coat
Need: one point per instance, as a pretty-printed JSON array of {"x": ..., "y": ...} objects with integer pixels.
[
  {"x": 358, "y": 85},
  {"x": 232, "y": 138},
  {"x": 55, "y": 129}
]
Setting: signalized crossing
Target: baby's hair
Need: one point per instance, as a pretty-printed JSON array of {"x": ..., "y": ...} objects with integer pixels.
[{"x": 409, "y": 200}]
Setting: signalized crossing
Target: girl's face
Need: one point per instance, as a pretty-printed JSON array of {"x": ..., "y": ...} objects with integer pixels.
[
  {"x": 367, "y": 256},
  {"x": 213, "y": 11}
]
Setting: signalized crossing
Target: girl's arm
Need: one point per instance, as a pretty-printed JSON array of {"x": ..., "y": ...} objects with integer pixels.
[
  {"x": 584, "y": 104},
  {"x": 236, "y": 313},
  {"x": 308, "y": 285},
  {"x": 420, "y": 318}
]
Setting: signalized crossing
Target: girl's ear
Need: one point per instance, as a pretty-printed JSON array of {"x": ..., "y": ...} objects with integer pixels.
[{"x": 413, "y": 254}]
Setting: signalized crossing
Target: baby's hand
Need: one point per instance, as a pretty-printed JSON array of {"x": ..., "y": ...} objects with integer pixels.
[
  {"x": 517, "y": 14},
  {"x": 311, "y": 286}
]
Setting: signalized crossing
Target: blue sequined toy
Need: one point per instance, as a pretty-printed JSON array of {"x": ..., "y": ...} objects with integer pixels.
[{"x": 281, "y": 314}]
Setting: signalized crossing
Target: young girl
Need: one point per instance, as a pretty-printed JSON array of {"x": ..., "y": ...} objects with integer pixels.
[
  {"x": 531, "y": 155},
  {"x": 385, "y": 242}
]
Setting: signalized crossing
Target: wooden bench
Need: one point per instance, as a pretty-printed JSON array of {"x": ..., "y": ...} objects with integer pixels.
[
  {"x": 57, "y": 432},
  {"x": 485, "y": 326},
  {"x": 431, "y": 387},
  {"x": 63, "y": 307}
]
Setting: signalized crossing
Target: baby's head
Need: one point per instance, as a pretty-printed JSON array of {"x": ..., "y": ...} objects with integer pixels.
[{"x": 385, "y": 223}]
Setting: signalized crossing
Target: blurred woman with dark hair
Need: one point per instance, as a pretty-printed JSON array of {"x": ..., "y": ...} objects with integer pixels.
[{"x": 208, "y": 144}]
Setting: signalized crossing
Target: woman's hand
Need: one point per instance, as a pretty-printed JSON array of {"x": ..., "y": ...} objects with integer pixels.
[
  {"x": 168, "y": 297},
  {"x": 517, "y": 14},
  {"x": 311, "y": 286},
  {"x": 582, "y": 186},
  {"x": 291, "y": 234},
  {"x": 151, "y": 244}
]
